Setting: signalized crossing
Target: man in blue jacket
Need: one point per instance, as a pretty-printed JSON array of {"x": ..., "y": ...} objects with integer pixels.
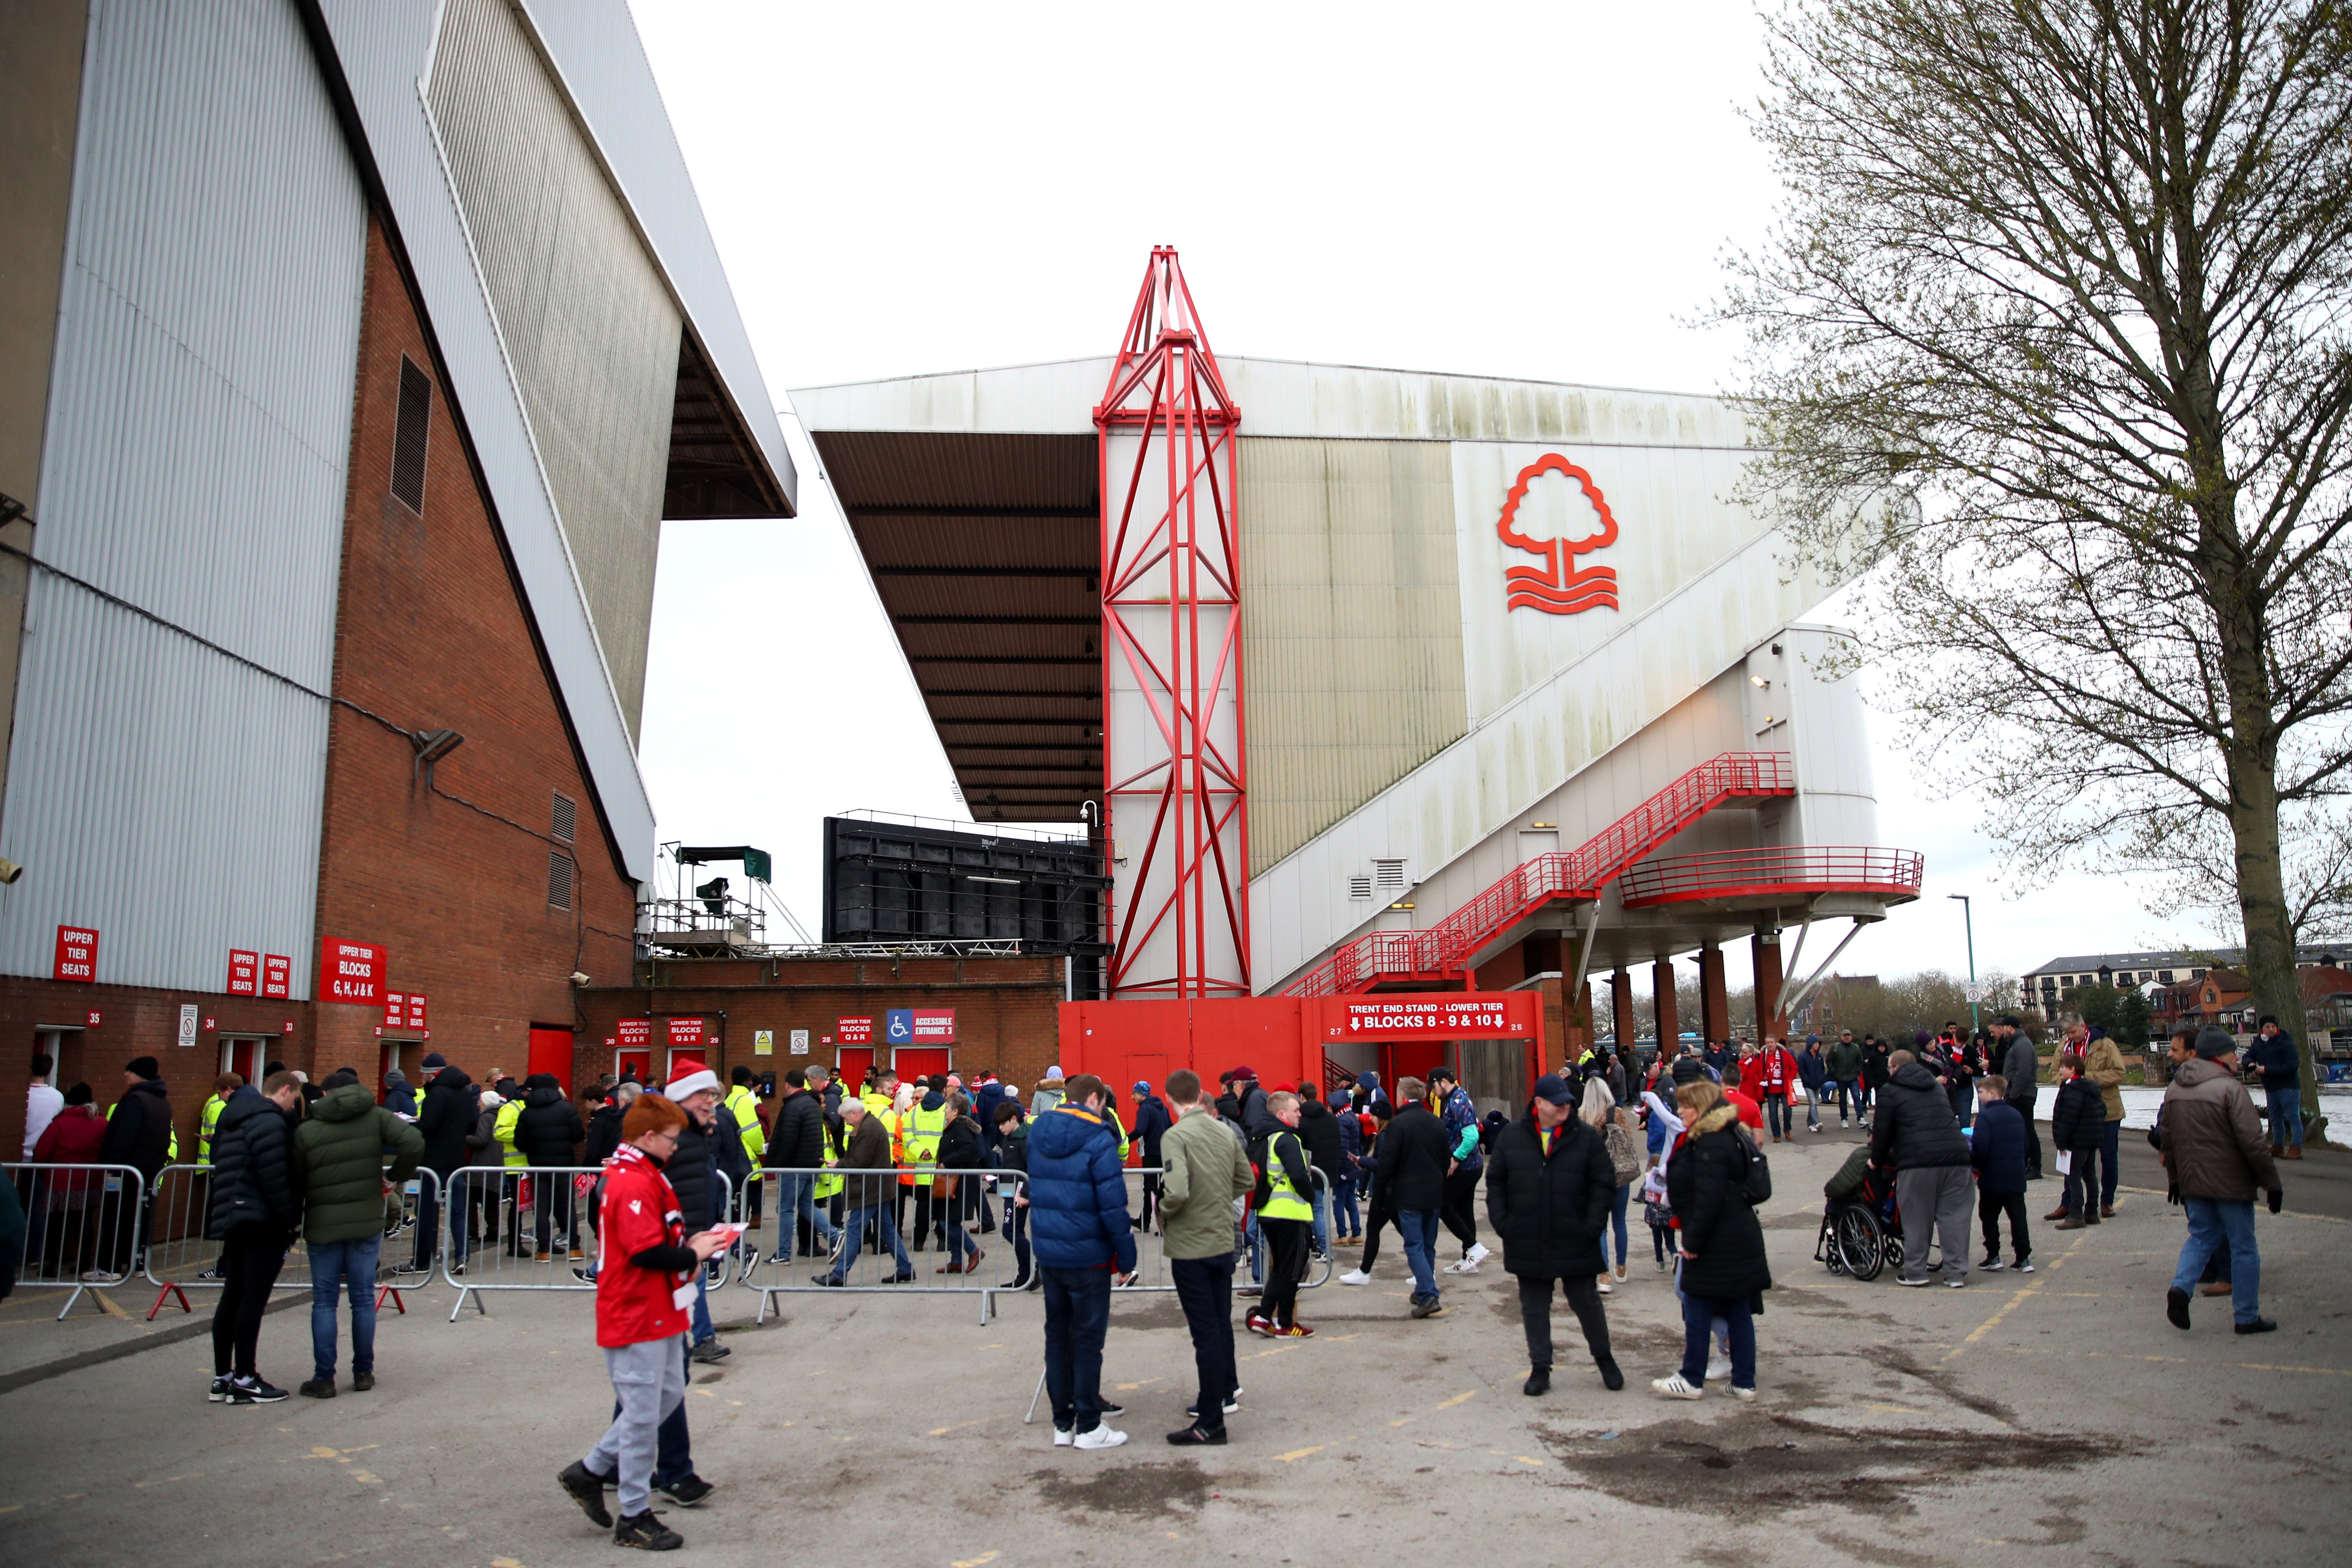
[
  {"x": 2281, "y": 1070},
  {"x": 1078, "y": 1229}
]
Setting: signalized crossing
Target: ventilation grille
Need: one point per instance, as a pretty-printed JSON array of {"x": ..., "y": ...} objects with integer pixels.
[
  {"x": 1359, "y": 887},
  {"x": 408, "y": 440},
  {"x": 567, "y": 818},
  {"x": 1388, "y": 877},
  {"x": 559, "y": 880}
]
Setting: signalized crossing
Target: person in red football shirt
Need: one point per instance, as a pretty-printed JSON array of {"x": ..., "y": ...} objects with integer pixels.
[{"x": 646, "y": 1267}]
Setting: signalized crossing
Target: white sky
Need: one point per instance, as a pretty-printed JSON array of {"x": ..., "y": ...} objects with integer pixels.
[{"x": 1539, "y": 190}]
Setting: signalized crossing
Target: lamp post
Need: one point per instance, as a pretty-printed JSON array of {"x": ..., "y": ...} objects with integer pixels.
[{"x": 1967, "y": 921}]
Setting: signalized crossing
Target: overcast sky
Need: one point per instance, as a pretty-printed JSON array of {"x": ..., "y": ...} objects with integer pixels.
[{"x": 1543, "y": 191}]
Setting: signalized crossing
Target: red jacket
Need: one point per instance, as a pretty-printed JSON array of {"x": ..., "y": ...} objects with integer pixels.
[
  {"x": 638, "y": 1211},
  {"x": 1780, "y": 1070},
  {"x": 72, "y": 1138}
]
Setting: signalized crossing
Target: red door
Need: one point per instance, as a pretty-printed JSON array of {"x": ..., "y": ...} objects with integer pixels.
[
  {"x": 918, "y": 1061},
  {"x": 240, "y": 1056},
  {"x": 1410, "y": 1058},
  {"x": 854, "y": 1060},
  {"x": 550, "y": 1052},
  {"x": 640, "y": 1061}
]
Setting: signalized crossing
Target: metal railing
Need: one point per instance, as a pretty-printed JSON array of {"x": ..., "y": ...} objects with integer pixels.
[
  {"x": 82, "y": 1225},
  {"x": 177, "y": 1255},
  {"x": 920, "y": 1217},
  {"x": 1796, "y": 869},
  {"x": 551, "y": 1250}
]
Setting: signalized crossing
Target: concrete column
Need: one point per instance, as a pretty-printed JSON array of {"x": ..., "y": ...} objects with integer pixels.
[
  {"x": 1714, "y": 1007},
  {"x": 1661, "y": 1003},
  {"x": 1764, "y": 951},
  {"x": 1621, "y": 1005}
]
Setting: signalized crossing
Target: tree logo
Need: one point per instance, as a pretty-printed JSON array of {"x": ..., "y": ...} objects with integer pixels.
[{"x": 1558, "y": 519}]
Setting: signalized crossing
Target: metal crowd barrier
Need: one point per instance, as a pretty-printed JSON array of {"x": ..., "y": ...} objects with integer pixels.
[
  {"x": 523, "y": 1204},
  {"x": 1249, "y": 1248},
  {"x": 178, "y": 1257},
  {"x": 82, "y": 1225},
  {"x": 787, "y": 1270}
]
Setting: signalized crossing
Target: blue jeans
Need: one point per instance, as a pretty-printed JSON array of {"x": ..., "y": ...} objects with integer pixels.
[
  {"x": 2286, "y": 1117},
  {"x": 1078, "y": 1317},
  {"x": 2108, "y": 1163},
  {"x": 1699, "y": 1314},
  {"x": 335, "y": 1265},
  {"x": 1778, "y": 1116},
  {"x": 1343, "y": 1202},
  {"x": 1420, "y": 1229},
  {"x": 2213, "y": 1224},
  {"x": 1616, "y": 1226},
  {"x": 886, "y": 1232},
  {"x": 703, "y": 1328},
  {"x": 795, "y": 1207}
]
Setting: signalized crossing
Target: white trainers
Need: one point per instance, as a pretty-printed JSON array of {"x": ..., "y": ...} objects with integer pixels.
[
  {"x": 1355, "y": 1277},
  {"x": 1674, "y": 1387},
  {"x": 1064, "y": 1437},
  {"x": 1478, "y": 1253},
  {"x": 1745, "y": 1395},
  {"x": 1604, "y": 1287},
  {"x": 1719, "y": 1369},
  {"x": 1098, "y": 1437},
  {"x": 1467, "y": 1265}
]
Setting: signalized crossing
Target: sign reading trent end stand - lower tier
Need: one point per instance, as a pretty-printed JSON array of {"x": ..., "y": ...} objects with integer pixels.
[{"x": 1466, "y": 1016}]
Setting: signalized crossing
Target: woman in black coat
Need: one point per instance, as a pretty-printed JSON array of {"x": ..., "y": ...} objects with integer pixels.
[
  {"x": 959, "y": 1151},
  {"x": 1550, "y": 1186},
  {"x": 1724, "y": 1270}
]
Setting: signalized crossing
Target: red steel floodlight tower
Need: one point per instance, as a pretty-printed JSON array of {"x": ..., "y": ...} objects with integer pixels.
[{"x": 1174, "y": 781}]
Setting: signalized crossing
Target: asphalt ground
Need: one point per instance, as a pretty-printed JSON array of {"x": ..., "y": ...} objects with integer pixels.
[{"x": 2054, "y": 1417}]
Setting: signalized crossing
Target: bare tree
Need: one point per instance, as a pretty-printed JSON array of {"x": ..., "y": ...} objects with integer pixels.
[
  {"x": 2197, "y": 860},
  {"x": 2064, "y": 288}
]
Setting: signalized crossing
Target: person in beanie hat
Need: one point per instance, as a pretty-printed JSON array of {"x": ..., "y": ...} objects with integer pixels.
[
  {"x": 139, "y": 1132},
  {"x": 1548, "y": 1196},
  {"x": 646, "y": 1267}
]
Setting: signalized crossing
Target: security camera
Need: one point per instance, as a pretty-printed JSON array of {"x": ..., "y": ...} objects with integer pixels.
[
  {"x": 10, "y": 871},
  {"x": 578, "y": 978}
]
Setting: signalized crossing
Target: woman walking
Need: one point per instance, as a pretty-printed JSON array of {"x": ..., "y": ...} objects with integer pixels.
[
  {"x": 1721, "y": 1246},
  {"x": 1600, "y": 1112}
]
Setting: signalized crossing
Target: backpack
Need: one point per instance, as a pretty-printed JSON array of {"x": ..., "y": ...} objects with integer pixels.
[
  {"x": 1624, "y": 1160},
  {"x": 1261, "y": 1154},
  {"x": 1756, "y": 1179}
]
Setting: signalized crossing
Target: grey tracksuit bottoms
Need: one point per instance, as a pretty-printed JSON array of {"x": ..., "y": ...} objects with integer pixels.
[{"x": 649, "y": 1380}]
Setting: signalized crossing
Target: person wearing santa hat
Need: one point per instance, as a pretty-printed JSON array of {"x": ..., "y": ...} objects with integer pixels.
[{"x": 711, "y": 1142}]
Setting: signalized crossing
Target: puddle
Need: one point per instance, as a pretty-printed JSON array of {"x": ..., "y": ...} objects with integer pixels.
[{"x": 1141, "y": 1492}]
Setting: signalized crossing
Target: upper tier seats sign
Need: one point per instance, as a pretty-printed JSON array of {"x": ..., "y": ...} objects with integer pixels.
[{"x": 1555, "y": 510}]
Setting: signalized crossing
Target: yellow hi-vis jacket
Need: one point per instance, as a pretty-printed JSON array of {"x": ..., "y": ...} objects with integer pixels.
[
  {"x": 924, "y": 1129},
  {"x": 208, "y": 1119},
  {"x": 509, "y": 1115},
  {"x": 827, "y": 1186},
  {"x": 1283, "y": 1198},
  {"x": 745, "y": 1105}
]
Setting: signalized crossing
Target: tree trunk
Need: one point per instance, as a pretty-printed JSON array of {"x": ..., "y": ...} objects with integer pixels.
[{"x": 2262, "y": 905}]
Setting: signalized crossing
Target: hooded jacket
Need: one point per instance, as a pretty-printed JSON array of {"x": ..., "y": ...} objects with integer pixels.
[
  {"x": 2211, "y": 1139},
  {"x": 342, "y": 1145},
  {"x": 2021, "y": 1066},
  {"x": 1151, "y": 1124},
  {"x": 1705, "y": 1185},
  {"x": 1914, "y": 1130},
  {"x": 1206, "y": 1170},
  {"x": 547, "y": 1131},
  {"x": 1078, "y": 1198},
  {"x": 603, "y": 1134},
  {"x": 398, "y": 1097},
  {"x": 2282, "y": 1066},
  {"x": 139, "y": 1132},
  {"x": 255, "y": 1177},
  {"x": 1845, "y": 1062},
  {"x": 1319, "y": 1131},
  {"x": 1548, "y": 1205},
  {"x": 445, "y": 1119}
]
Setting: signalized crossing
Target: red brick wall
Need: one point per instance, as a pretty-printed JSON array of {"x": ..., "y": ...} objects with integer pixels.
[{"x": 432, "y": 633}]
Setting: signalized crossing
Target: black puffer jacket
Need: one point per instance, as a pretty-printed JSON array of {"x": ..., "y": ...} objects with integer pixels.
[
  {"x": 797, "y": 1141},
  {"x": 1914, "y": 1129},
  {"x": 2079, "y": 1120},
  {"x": 1549, "y": 1209},
  {"x": 548, "y": 1132},
  {"x": 139, "y": 1132},
  {"x": 447, "y": 1116},
  {"x": 604, "y": 1134},
  {"x": 254, "y": 1177},
  {"x": 1411, "y": 1163},
  {"x": 1319, "y": 1131},
  {"x": 690, "y": 1168},
  {"x": 1706, "y": 1186}
]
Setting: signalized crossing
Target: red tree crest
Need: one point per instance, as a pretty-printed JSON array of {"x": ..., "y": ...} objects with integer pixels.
[{"x": 1552, "y": 587}]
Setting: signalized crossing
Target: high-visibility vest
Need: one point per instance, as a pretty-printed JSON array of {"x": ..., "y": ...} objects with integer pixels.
[
  {"x": 827, "y": 1186},
  {"x": 509, "y": 1115},
  {"x": 1283, "y": 1198},
  {"x": 875, "y": 1101},
  {"x": 746, "y": 1107},
  {"x": 1121, "y": 1128},
  {"x": 211, "y": 1119},
  {"x": 924, "y": 1129}
]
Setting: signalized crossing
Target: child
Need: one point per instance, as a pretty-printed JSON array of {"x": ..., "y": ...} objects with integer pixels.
[
  {"x": 1656, "y": 1210},
  {"x": 646, "y": 1267},
  {"x": 2077, "y": 1128},
  {"x": 1997, "y": 1150}
]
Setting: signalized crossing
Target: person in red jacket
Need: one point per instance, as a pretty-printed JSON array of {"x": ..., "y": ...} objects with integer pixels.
[
  {"x": 646, "y": 1267},
  {"x": 1772, "y": 1076}
]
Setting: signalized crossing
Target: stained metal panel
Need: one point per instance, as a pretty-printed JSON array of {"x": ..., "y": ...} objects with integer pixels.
[
  {"x": 1353, "y": 641},
  {"x": 586, "y": 319},
  {"x": 200, "y": 421}
]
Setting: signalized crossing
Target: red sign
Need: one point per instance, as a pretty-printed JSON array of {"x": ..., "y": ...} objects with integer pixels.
[
  {"x": 96, "y": 1019},
  {"x": 276, "y": 975},
  {"x": 1578, "y": 522},
  {"x": 416, "y": 1009},
  {"x": 289, "y": 1025},
  {"x": 244, "y": 972},
  {"x": 685, "y": 1033},
  {"x": 635, "y": 1034},
  {"x": 935, "y": 1025},
  {"x": 351, "y": 971},
  {"x": 1494, "y": 1016},
  {"x": 396, "y": 1009},
  {"x": 855, "y": 1031},
  {"x": 77, "y": 956}
]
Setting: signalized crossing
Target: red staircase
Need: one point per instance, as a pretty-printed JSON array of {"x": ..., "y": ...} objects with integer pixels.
[{"x": 1442, "y": 952}]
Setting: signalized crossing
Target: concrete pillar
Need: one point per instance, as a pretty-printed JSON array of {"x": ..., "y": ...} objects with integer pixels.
[
  {"x": 1764, "y": 951},
  {"x": 1714, "y": 1006},
  {"x": 1661, "y": 1003},
  {"x": 1621, "y": 1005}
]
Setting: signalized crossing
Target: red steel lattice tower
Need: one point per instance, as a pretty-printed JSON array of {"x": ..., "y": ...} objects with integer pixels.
[{"x": 1175, "y": 784}]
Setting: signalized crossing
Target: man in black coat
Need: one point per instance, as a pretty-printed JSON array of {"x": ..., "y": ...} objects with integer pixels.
[
  {"x": 1915, "y": 1136},
  {"x": 1318, "y": 1128},
  {"x": 252, "y": 1209},
  {"x": 796, "y": 1144},
  {"x": 445, "y": 1116},
  {"x": 1550, "y": 1186},
  {"x": 1411, "y": 1173},
  {"x": 548, "y": 1134},
  {"x": 139, "y": 1134}
]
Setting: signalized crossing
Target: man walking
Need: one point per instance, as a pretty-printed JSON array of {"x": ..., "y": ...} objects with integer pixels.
[
  {"x": 2213, "y": 1147},
  {"x": 1548, "y": 1193},
  {"x": 870, "y": 1198},
  {"x": 1465, "y": 1164},
  {"x": 341, "y": 1146},
  {"x": 1286, "y": 1213},
  {"x": 1078, "y": 1229},
  {"x": 797, "y": 1150},
  {"x": 1916, "y": 1137},
  {"x": 1409, "y": 1177},
  {"x": 1845, "y": 1074},
  {"x": 1206, "y": 1170},
  {"x": 2021, "y": 1069},
  {"x": 2281, "y": 1070}
]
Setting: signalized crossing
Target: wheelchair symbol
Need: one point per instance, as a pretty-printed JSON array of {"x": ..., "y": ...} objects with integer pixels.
[{"x": 902, "y": 1026}]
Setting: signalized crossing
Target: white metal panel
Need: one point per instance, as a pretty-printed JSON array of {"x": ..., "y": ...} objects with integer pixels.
[
  {"x": 382, "y": 46},
  {"x": 200, "y": 423}
]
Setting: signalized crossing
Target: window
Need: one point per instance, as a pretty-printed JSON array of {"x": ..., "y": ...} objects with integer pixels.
[
  {"x": 408, "y": 437},
  {"x": 2165, "y": 976},
  {"x": 559, "y": 880},
  {"x": 566, "y": 817}
]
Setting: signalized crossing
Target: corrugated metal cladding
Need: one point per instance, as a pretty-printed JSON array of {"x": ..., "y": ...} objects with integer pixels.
[
  {"x": 1351, "y": 631},
  {"x": 589, "y": 325},
  {"x": 200, "y": 422}
]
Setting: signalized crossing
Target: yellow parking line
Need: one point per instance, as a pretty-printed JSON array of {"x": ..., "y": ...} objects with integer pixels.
[
  {"x": 1457, "y": 1399},
  {"x": 1298, "y": 1453}
]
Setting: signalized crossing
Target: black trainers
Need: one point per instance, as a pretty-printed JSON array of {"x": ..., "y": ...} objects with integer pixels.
[
  {"x": 251, "y": 1389},
  {"x": 1612, "y": 1378},
  {"x": 318, "y": 1388},
  {"x": 1109, "y": 1409},
  {"x": 1232, "y": 1403},
  {"x": 708, "y": 1351},
  {"x": 1538, "y": 1381},
  {"x": 2258, "y": 1326},
  {"x": 1428, "y": 1306},
  {"x": 2176, "y": 1306},
  {"x": 831, "y": 1281},
  {"x": 1198, "y": 1436},
  {"x": 687, "y": 1491},
  {"x": 647, "y": 1533},
  {"x": 587, "y": 1488}
]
